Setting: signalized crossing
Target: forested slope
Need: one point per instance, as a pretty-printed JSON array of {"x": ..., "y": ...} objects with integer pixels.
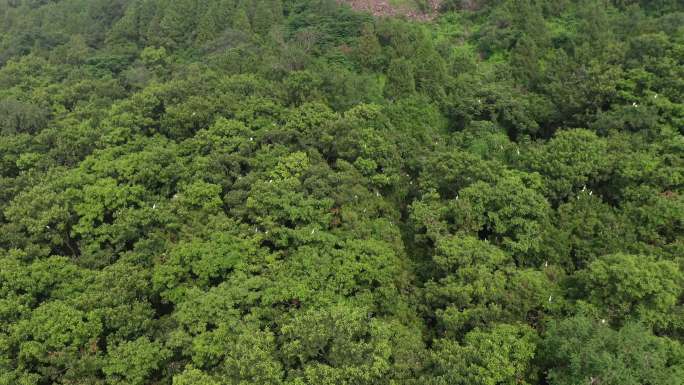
[{"x": 209, "y": 192}]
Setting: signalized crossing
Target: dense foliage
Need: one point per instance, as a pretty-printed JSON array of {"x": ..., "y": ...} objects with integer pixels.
[{"x": 208, "y": 192}]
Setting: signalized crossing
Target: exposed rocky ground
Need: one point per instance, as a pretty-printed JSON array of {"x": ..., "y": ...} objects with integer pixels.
[{"x": 409, "y": 9}]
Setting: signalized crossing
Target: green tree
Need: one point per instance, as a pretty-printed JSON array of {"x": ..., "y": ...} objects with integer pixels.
[
  {"x": 570, "y": 161},
  {"x": 369, "y": 51},
  {"x": 400, "y": 79},
  {"x": 629, "y": 287},
  {"x": 510, "y": 213},
  {"x": 134, "y": 362},
  {"x": 584, "y": 350},
  {"x": 18, "y": 117},
  {"x": 501, "y": 355}
]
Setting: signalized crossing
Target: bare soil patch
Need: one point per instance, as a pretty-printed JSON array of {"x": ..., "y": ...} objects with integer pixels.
[{"x": 385, "y": 8}]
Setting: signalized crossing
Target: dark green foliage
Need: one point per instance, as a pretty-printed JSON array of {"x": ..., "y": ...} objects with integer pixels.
[
  {"x": 291, "y": 192},
  {"x": 585, "y": 350}
]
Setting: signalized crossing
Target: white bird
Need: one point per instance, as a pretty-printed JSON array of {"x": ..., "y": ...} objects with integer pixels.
[
  {"x": 584, "y": 188},
  {"x": 655, "y": 96},
  {"x": 590, "y": 192},
  {"x": 251, "y": 139},
  {"x": 270, "y": 181},
  {"x": 47, "y": 227},
  {"x": 635, "y": 105},
  {"x": 377, "y": 194},
  {"x": 603, "y": 321},
  {"x": 154, "y": 206},
  {"x": 549, "y": 298},
  {"x": 546, "y": 263},
  {"x": 517, "y": 151},
  {"x": 313, "y": 231},
  {"x": 194, "y": 113}
]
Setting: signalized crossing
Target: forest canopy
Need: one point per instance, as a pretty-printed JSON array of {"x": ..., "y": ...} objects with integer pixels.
[{"x": 293, "y": 192}]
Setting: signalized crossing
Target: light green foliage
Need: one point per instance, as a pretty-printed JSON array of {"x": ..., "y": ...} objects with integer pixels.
[
  {"x": 192, "y": 376},
  {"x": 502, "y": 355},
  {"x": 510, "y": 213},
  {"x": 633, "y": 287},
  {"x": 56, "y": 338},
  {"x": 132, "y": 362},
  {"x": 210, "y": 192},
  {"x": 471, "y": 288},
  {"x": 343, "y": 344},
  {"x": 199, "y": 262},
  {"x": 570, "y": 161},
  {"x": 476, "y": 284}
]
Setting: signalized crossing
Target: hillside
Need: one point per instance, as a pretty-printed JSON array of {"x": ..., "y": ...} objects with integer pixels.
[
  {"x": 412, "y": 9},
  {"x": 304, "y": 192}
]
